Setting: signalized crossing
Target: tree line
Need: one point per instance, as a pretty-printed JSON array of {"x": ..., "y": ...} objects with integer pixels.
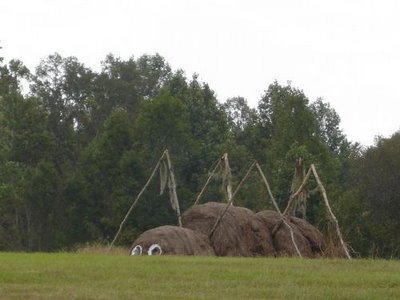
[{"x": 78, "y": 146}]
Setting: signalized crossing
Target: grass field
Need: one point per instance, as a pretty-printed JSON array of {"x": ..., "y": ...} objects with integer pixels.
[{"x": 97, "y": 276}]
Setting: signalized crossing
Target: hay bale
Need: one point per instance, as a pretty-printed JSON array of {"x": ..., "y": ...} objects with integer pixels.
[
  {"x": 240, "y": 233},
  {"x": 269, "y": 218},
  {"x": 263, "y": 244},
  {"x": 284, "y": 245},
  {"x": 312, "y": 234},
  {"x": 282, "y": 240},
  {"x": 172, "y": 240}
]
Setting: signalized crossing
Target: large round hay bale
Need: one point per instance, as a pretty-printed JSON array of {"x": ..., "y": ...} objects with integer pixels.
[
  {"x": 269, "y": 218},
  {"x": 171, "y": 240},
  {"x": 282, "y": 239},
  {"x": 312, "y": 234},
  {"x": 263, "y": 244},
  {"x": 239, "y": 233}
]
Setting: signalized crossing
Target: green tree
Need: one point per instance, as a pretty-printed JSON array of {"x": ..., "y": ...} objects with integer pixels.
[
  {"x": 163, "y": 123},
  {"x": 289, "y": 126},
  {"x": 127, "y": 84},
  {"x": 239, "y": 114},
  {"x": 328, "y": 124},
  {"x": 376, "y": 179},
  {"x": 285, "y": 114},
  {"x": 64, "y": 88},
  {"x": 110, "y": 175},
  {"x": 208, "y": 130},
  {"x": 25, "y": 146},
  {"x": 245, "y": 126},
  {"x": 291, "y": 129},
  {"x": 14, "y": 210}
]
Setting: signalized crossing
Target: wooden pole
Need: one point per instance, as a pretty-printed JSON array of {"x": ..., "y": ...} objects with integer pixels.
[
  {"x": 216, "y": 224},
  {"x": 244, "y": 179},
  {"x": 272, "y": 198},
  {"x": 289, "y": 207},
  {"x": 227, "y": 177},
  {"x": 207, "y": 182},
  {"x": 173, "y": 194},
  {"x": 332, "y": 216},
  {"x": 268, "y": 188},
  {"x": 278, "y": 210},
  {"x": 137, "y": 199}
]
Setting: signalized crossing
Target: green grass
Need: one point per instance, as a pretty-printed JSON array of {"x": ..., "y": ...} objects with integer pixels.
[{"x": 97, "y": 276}]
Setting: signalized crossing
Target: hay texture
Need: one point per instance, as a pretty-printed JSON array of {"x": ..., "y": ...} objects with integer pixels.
[
  {"x": 312, "y": 234},
  {"x": 309, "y": 239},
  {"x": 240, "y": 232},
  {"x": 174, "y": 240}
]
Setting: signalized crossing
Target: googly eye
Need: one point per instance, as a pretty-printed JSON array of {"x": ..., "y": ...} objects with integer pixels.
[
  {"x": 154, "y": 249},
  {"x": 137, "y": 250}
]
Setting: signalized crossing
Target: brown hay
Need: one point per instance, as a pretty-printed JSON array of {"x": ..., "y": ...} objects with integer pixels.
[
  {"x": 240, "y": 233},
  {"x": 175, "y": 240},
  {"x": 332, "y": 247},
  {"x": 269, "y": 218},
  {"x": 282, "y": 239},
  {"x": 312, "y": 234}
]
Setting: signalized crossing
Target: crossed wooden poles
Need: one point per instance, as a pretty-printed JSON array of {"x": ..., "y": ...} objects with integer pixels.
[
  {"x": 224, "y": 160},
  {"x": 165, "y": 166}
]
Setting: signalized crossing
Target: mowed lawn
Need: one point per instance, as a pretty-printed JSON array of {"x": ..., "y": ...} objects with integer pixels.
[{"x": 96, "y": 276}]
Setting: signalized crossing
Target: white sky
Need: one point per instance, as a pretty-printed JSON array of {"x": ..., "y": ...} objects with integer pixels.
[{"x": 347, "y": 52}]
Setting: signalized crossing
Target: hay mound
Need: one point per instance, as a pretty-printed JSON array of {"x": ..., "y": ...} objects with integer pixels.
[
  {"x": 172, "y": 240},
  {"x": 240, "y": 232},
  {"x": 312, "y": 234},
  {"x": 309, "y": 239}
]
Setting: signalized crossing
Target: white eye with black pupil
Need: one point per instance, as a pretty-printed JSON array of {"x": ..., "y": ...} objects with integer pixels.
[
  {"x": 137, "y": 250},
  {"x": 154, "y": 249}
]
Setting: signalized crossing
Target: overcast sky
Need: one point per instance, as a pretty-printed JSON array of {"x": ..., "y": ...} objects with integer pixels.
[{"x": 347, "y": 52}]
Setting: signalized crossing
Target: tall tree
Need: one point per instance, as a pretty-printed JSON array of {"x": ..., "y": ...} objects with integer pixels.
[
  {"x": 291, "y": 130},
  {"x": 245, "y": 126},
  {"x": 377, "y": 179},
  {"x": 328, "y": 124},
  {"x": 63, "y": 87},
  {"x": 111, "y": 171},
  {"x": 239, "y": 113},
  {"x": 25, "y": 146}
]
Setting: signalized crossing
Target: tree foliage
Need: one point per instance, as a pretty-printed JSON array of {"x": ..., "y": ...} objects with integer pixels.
[
  {"x": 78, "y": 147},
  {"x": 376, "y": 199}
]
